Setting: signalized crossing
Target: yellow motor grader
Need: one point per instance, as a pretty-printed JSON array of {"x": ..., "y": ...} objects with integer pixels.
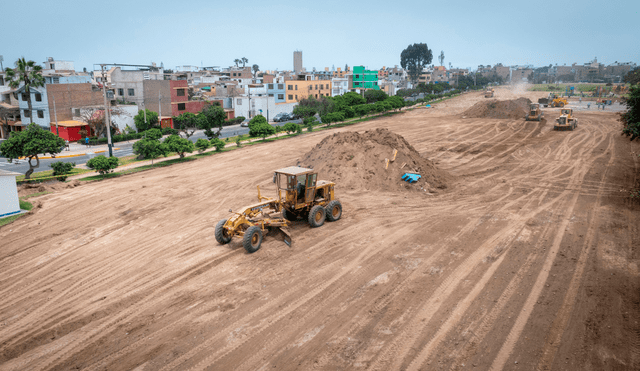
[
  {"x": 566, "y": 120},
  {"x": 489, "y": 93},
  {"x": 299, "y": 195}
]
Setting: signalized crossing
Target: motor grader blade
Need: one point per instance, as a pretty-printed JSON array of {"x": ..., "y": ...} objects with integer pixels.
[{"x": 284, "y": 234}]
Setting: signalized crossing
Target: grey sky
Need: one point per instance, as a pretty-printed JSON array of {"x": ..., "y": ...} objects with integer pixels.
[{"x": 371, "y": 33}]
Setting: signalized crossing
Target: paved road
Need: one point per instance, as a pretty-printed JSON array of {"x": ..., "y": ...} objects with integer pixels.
[{"x": 126, "y": 149}]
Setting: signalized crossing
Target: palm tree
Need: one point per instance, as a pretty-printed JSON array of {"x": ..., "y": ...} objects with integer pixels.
[
  {"x": 236, "y": 61},
  {"x": 27, "y": 73},
  {"x": 255, "y": 68},
  {"x": 244, "y": 61}
]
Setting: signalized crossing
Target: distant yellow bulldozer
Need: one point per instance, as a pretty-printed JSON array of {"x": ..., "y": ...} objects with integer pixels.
[
  {"x": 299, "y": 195},
  {"x": 535, "y": 113},
  {"x": 566, "y": 120},
  {"x": 553, "y": 101},
  {"x": 489, "y": 93}
]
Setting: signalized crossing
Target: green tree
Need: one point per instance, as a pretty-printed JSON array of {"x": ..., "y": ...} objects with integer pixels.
[
  {"x": 632, "y": 77},
  {"x": 202, "y": 144},
  {"x": 153, "y": 134},
  {"x": 27, "y": 73},
  {"x": 414, "y": 58},
  {"x": 372, "y": 96},
  {"x": 179, "y": 145},
  {"x": 304, "y": 111},
  {"x": 631, "y": 118},
  {"x": 237, "y": 61},
  {"x": 259, "y": 127},
  {"x": 322, "y": 105},
  {"x": 152, "y": 120},
  {"x": 244, "y": 61},
  {"x": 441, "y": 57},
  {"x": 353, "y": 99},
  {"x": 30, "y": 143},
  {"x": 61, "y": 169},
  {"x": 150, "y": 149},
  {"x": 186, "y": 123},
  {"x": 362, "y": 109},
  {"x": 219, "y": 144},
  {"x": 291, "y": 127},
  {"x": 211, "y": 117},
  {"x": 255, "y": 69},
  {"x": 103, "y": 164}
]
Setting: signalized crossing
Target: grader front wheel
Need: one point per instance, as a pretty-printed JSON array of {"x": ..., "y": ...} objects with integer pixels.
[
  {"x": 222, "y": 236},
  {"x": 252, "y": 239}
]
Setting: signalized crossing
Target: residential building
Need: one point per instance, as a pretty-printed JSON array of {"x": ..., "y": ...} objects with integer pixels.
[
  {"x": 364, "y": 79},
  {"x": 180, "y": 102},
  {"x": 340, "y": 73},
  {"x": 277, "y": 91},
  {"x": 304, "y": 86},
  {"x": 339, "y": 86}
]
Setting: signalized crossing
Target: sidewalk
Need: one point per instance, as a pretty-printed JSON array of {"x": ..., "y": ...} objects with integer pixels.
[{"x": 76, "y": 150}]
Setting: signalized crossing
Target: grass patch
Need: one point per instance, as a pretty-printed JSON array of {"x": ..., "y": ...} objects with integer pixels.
[
  {"x": 24, "y": 205},
  {"x": 35, "y": 195},
  {"x": 139, "y": 169}
]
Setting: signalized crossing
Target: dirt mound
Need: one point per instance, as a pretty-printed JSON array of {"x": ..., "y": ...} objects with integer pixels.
[
  {"x": 357, "y": 161},
  {"x": 27, "y": 189},
  {"x": 499, "y": 109}
]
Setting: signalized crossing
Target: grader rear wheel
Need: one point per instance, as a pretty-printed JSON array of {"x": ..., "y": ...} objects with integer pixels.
[
  {"x": 317, "y": 216},
  {"x": 333, "y": 210}
]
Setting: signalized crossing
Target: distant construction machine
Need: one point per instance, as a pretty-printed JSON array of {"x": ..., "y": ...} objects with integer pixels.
[
  {"x": 566, "y": 120},
  {"x": 299, "y": 195},
  {"x": 553, "y": 101},
  {"x": 535, "y": 113},
  {"x": 489, "y": 93}
]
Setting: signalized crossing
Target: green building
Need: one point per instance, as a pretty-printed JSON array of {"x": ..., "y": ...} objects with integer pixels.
[{"x": 364, "y": 79}]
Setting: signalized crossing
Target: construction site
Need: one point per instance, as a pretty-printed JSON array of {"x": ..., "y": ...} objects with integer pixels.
[{"x": 516, "y": 248}]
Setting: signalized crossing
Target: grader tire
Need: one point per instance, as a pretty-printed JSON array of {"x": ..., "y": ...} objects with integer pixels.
[
  {"x": 252, "y": 239},
  {"x": 561, "y": 104},
  {"x": 221, "y": 234},
  {"x": 316, "y": 216},
  {"x": 333, "y": 210}
]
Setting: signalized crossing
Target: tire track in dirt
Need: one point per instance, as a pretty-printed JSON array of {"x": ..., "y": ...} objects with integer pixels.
[
  {"x": 559, "y": 325},
  {"x": 534, "y": 294}
]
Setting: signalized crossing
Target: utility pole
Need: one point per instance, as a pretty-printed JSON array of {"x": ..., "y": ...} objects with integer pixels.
[
  {"x": 55, "y": 114},
  {"x": 159, "y": 109},
  {"x": 107, "y": 119}
]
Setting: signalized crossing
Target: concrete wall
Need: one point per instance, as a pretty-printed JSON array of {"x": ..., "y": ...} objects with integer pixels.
[
  {"x": 125, "y": 118},
  {"x": 241, "y": 106},
  {"x": 69, "y": 96},
  {"x": 157, "y": 96},
  {"x": 8, "y": 194}
]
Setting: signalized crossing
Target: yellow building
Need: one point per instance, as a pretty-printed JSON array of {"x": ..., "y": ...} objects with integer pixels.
[{"x": 304, "y": 86}]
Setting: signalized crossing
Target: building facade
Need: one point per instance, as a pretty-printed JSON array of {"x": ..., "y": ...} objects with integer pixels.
[
  {"x": 297, "y": 61},
  {"x": 364, "y": 79},
  {"x": 305, "y": 86}
]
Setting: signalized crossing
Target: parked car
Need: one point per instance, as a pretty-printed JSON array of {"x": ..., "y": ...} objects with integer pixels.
[
  {"x": 282, "y": 116},
  {"x": 245, "y": 123}
]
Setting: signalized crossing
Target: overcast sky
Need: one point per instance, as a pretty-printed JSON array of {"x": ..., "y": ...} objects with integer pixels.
[{"x": 329, "y": 33}]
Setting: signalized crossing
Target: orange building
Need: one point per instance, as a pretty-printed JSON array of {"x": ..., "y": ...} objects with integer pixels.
[{"x": 304, "y": 86}]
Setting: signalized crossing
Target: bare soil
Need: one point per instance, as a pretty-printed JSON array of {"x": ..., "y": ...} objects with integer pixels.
[{"x": 528, "y": 259}]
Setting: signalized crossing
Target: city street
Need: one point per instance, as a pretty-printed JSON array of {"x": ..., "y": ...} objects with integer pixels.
[{"x": 125, "y": 149}]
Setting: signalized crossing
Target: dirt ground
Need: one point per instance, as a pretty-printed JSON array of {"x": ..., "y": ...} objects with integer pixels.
[{"x": 528, "y": 260}]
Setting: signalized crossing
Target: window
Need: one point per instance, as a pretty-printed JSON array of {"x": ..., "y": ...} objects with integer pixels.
[
  {"x": 56, "y": 80},
  {"x": 40, "y": 114},
  {"x": 357, "y": 76},
  {"x": 180, "y": 92},
  {"x": 310, "y": 87},
  {"x": 25, "y": 97},
  {"x": 290, "y": 96},
  {"x": 38, "y": 97},
  {"x": 26, "y": 113},
  {"x": 281, "y": 96},
  {"x": 270, "y": 86},
  {"x": 1, "y": 80},
  {"x": 296, "y": 87},
  {"x": 239, "y": 101},
  {"x": 131, "y": 92},
  {"x": 290, "y": 87},
  {"x": 271, "y": 95},
  {"x": 316, "y": 87},
  {"x": 76, "y": 112},
  {"x": 121, "y": 92},
  {"x": 296, "y": 97},
  {"x": 281, "y": 86},
  {"x": 181, "y": 106}
]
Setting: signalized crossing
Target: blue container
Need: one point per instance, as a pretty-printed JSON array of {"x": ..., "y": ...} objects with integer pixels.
[{"x": 411, "y": 177}]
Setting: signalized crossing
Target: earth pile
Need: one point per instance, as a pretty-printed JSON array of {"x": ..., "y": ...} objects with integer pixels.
[
  {"x": 499, "y": 109},
  {"x": 357, "y": 161}
]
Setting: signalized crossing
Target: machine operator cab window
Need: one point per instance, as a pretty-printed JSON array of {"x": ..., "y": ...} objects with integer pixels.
[
  {"x": 565, "y": 112},
  {"x": 302, "y": 184}
]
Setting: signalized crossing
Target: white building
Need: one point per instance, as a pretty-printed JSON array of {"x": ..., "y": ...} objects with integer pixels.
[
  {"x": 9, "y": 203},
  {"x": 339, "y": 86}
]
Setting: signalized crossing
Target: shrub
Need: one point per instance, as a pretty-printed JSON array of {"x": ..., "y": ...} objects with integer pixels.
[
  {"x": 169, "y": 131},
  {"x": 152, "y": 134},
  {"x": 219, "y": 144},
  {"x": 175, "y": 143},
  {"x": 150, "y": 148},
  {"x": 291, "y": 127},
  {"x": 103, "y": 164},
  {"x": 259, "y": 127},
  {"x": 202, "y": 144},
  {"x": 62, "y": 169},
  {"x": 239, "y": 142}
]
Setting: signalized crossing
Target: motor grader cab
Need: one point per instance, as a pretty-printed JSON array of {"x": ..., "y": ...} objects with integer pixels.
[
  {"x": 298, "y": 194},
  {"x": 535, "y": 113},
  {"x": 566, "y": 120},
  {"x": 301, "y": 194}
]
